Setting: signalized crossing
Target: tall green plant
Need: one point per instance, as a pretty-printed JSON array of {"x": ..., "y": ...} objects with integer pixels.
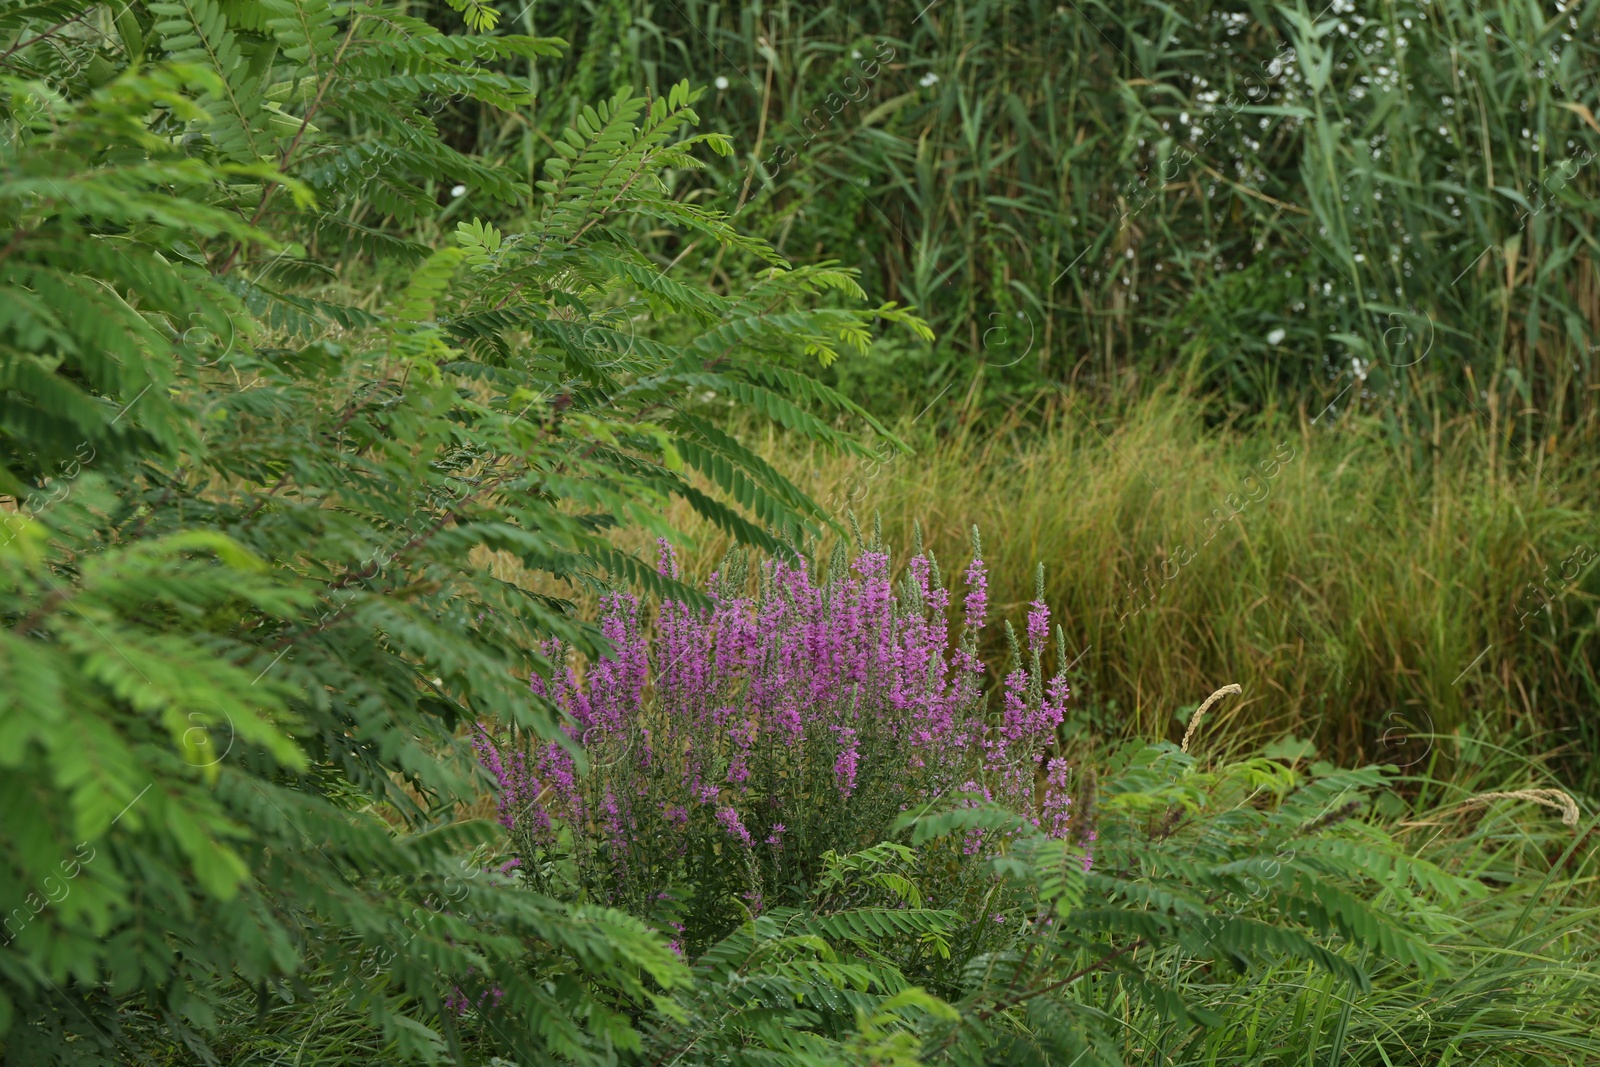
[
  {"x": 1388, "y": 201},
  {"x": 259, "y": 537}
]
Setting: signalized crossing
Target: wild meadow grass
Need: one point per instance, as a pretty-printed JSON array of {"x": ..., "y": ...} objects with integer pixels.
[
  {"x": 1348, "y": 535},
  {"x": 1370, "y": 597}
]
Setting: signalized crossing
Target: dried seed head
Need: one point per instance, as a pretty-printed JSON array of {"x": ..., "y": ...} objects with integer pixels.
[
  {"x": 1550, "y": 798},
  {"x": 1194, "y": 720}
]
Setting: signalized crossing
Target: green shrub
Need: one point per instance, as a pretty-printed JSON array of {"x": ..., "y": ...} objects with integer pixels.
[{"x": 250, "y": 573}]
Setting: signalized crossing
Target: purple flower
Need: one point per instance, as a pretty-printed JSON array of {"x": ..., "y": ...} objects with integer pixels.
[
  {"x": 845, "y": 766},
  {"x": 730, "y": 822},
  {"x": 744, "y": 708},
  {"x": 1038, "y": 625},
  {"x": 977, "y": 602},
  {"x": 666, "y": 559},
  {"x": 1055, "y": 816}
]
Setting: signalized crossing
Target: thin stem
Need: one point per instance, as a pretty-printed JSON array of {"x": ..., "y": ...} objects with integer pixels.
[
  {"x": 294, "y": 145},
  {"x": 51, "y": 32}
]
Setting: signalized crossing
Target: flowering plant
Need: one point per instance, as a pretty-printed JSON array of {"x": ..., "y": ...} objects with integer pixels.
[{"x": 730, "y": 749}]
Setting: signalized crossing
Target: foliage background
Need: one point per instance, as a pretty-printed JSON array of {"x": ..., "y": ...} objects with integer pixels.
[{"x": 1274, "y": 202}]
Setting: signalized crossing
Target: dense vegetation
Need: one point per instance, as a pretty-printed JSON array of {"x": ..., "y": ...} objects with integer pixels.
[
  {"x": 358, "y": 359},
  {"x": 1366, "y": 602},
  {"x": 1388, "y": 202}
]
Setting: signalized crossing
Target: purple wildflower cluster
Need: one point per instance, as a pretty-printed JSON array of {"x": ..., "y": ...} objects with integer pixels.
[{"x": 772, "y": 727}]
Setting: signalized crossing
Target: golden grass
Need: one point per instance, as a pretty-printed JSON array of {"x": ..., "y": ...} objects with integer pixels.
[{"x": 1362, "y": 586}]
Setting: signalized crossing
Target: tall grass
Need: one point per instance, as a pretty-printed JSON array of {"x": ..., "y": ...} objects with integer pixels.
[
  {"x": 1533, "y": 933},
  {"x": 1521, "y": 988},
  {"x": 1275, "y": 199},
  {"x": 1368, "y": 600}
]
